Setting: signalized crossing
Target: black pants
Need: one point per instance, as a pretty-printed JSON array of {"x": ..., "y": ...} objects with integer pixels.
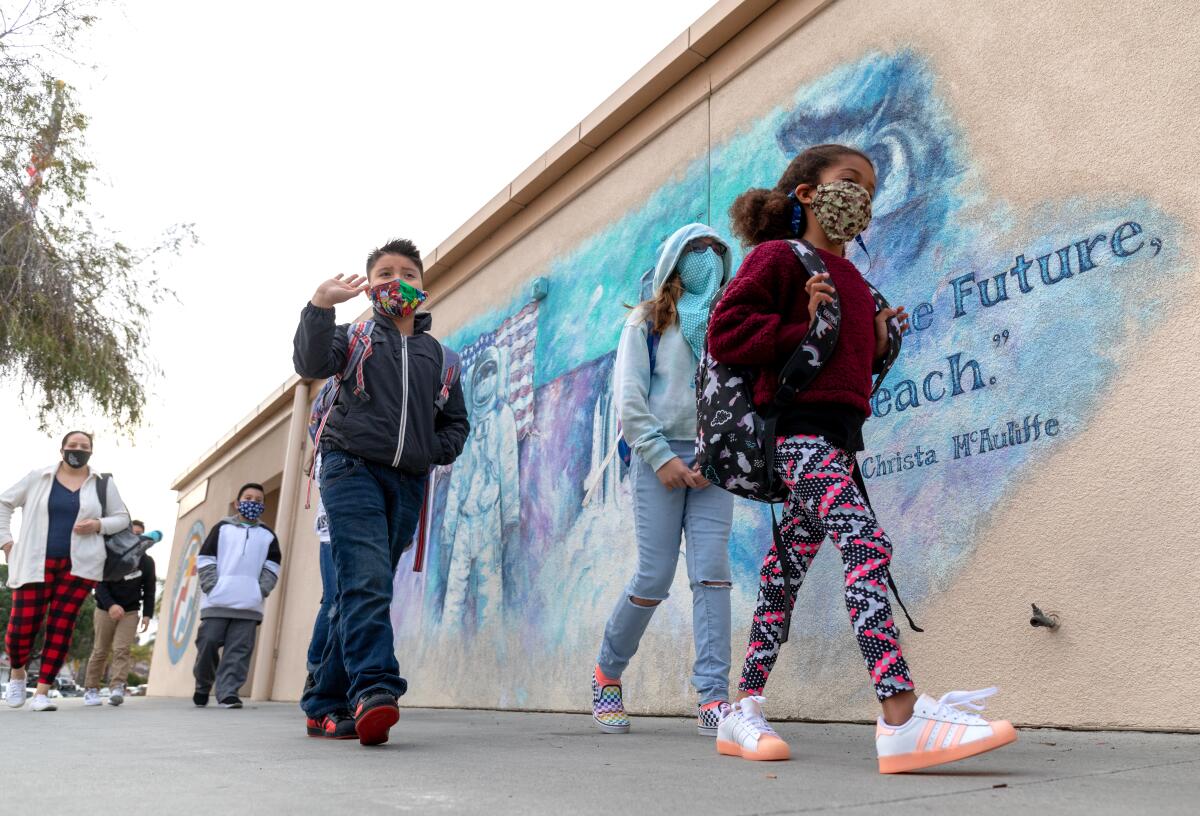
[{"x": 223, "y": 650}]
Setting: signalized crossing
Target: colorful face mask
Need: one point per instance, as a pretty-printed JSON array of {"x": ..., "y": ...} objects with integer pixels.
[
  {"x": 251, "y": 510},
  {"x": 396, "y": 298},
  {"x": 842, "y": 208}
]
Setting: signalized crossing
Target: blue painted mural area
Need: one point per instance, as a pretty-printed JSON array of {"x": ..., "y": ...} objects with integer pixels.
[{"x": 1020, "y": 326}]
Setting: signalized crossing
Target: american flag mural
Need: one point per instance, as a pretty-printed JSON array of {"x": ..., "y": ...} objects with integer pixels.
[{"x": 517, "y": 337}]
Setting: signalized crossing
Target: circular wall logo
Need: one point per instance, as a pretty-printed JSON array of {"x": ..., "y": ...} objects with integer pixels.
[{"x": 185, "y": 602}]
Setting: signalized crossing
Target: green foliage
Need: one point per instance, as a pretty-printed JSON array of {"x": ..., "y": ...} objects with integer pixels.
[
  {"x": 74, "y": 301},
  {"x": 85, "y": 632}
]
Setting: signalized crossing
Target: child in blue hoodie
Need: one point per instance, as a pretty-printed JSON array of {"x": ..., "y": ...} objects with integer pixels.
[{"x": 655, "y": 383}]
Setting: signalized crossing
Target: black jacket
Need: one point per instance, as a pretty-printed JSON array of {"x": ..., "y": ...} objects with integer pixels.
[
  {"x": 398, "y": 424},
  {"x": 138, "y": 585}
]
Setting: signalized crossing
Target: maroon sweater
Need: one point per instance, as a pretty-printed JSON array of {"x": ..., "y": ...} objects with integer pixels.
[{"x": 763, "y": 317}]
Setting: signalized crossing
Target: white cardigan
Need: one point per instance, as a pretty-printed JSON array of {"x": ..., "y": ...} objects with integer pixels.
[{"x": 27, "y": 561}]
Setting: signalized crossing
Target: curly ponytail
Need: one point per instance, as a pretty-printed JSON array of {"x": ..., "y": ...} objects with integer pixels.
[{"x": 759, "y": 215}]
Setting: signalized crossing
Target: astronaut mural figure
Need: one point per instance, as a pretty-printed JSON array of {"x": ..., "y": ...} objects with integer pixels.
[{"x": 482, "y": 515}]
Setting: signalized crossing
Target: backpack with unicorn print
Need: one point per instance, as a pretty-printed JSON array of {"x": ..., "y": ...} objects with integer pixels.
[{"x": 735, "y": 442}]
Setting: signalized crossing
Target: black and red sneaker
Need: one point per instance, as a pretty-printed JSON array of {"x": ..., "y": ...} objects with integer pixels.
[
  {"x": 377, "y": 712},
  {"x": 337, "y": 725}
]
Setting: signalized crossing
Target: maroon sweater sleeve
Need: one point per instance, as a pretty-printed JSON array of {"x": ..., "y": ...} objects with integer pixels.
[{"x": 755, "y": 323}]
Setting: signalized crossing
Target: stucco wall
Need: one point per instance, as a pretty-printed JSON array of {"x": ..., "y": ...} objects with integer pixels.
[{"x": 1000, "y": 133}]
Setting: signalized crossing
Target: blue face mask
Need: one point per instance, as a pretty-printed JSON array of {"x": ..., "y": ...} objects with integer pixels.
[
  {"x": 251, "y": 510},
  {"x": 699, "y": 270},
  {"x": 701, "y": 274}
]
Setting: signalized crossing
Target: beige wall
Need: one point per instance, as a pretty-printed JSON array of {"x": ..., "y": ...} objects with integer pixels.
[
  {"x": 1004, "y": 129},
  {"x": 174, "y": 649}
]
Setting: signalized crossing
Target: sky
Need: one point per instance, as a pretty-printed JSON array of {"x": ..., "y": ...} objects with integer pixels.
[{"x": 296, "y": 137}]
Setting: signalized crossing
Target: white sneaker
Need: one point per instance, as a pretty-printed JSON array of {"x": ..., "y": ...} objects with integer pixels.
[
  {"x": 940, "y": 731},
  {"x": 745, "y": 732},
  {"x": 15, "y": 696},
  {"x": 118, "y": 695},
  {"x": 91, "y": 697},
  {"x": 42, "y": 703}
]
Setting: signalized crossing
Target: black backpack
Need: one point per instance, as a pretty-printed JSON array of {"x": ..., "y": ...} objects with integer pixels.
[
  {"x": 124, "y": 549},
  {"x": 735, "y": 442}
]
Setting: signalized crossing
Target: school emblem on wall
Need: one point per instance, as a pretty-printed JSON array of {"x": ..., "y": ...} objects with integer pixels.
[{"x": 185, "y": 602}]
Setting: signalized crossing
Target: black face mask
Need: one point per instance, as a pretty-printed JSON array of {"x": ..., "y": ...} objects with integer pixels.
[{"x": 76, "y": 458}]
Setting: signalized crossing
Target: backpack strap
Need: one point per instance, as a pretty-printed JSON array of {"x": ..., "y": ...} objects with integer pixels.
[
  {"x": 652, "y": 338},
  {"x": 861, "y": 484},
  {"x": 895, "y": 339},
  {"x": 102, "y": 492},
  {"x": 451, "y": 371},
  {"x": 358, "y": 348},
  {"x": 820, "y": 341}
]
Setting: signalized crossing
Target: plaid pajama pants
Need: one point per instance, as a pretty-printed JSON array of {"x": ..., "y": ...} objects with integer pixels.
[{"x": 56, "y": 602}]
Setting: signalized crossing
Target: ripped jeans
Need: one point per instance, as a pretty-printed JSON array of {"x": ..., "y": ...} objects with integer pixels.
[{"x": 661, "y": 516}]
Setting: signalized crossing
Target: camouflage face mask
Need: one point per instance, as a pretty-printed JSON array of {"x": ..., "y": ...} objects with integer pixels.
[{"x": 842, "y": 208}]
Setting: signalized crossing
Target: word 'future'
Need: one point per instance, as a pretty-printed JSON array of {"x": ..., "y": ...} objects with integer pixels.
[{"x": 1053, "y": 267}]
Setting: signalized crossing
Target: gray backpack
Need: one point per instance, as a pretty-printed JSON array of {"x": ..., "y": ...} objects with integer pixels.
[{"x": 125, "y": 548}]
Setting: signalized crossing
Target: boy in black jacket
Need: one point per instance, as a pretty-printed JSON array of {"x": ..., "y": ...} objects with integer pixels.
[
  {"x": 116, "y": 626},
  {"x": 382, "y": 436}
]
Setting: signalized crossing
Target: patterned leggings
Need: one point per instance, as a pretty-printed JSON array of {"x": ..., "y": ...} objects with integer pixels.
[
  {"x": 56, "y": 601},
  {"x": 825, "y": 502}
]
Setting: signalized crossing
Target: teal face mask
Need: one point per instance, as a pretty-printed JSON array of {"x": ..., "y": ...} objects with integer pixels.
[
  {"x": 698, "y": 271},
  {"x": 701, "y": 274}
]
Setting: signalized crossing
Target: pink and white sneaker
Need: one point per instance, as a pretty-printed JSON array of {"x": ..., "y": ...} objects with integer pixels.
[
  {"x": 940, "y": 731},
  {"x": 745, "y": 732}
]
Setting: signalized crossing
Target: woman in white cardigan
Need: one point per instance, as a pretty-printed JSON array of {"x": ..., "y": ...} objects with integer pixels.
[{"x": 56, "y": 561}]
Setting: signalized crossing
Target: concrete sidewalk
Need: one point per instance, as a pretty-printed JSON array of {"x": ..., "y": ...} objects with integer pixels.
[{"x": 178, "y": 759}]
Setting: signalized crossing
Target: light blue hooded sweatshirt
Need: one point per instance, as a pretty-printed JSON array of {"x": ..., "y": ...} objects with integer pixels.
[{"x": 656, "y": 410}]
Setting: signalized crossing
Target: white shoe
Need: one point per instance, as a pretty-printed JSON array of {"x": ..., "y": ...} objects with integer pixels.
[
  {"x": 15, "y": 696},
  {"x": 91, "y": 697},
  {"x": 42, "y": 703},
  {"x": 118, "y": 695},
  {"x": 940, "y": 731},
  {"x": 745, "y": 732}
]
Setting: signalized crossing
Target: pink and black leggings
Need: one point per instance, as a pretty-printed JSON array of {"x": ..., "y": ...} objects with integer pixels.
[{"x": 825, "y": 502}]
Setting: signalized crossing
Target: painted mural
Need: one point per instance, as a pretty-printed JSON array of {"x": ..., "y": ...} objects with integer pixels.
[
  {"x": 1020, "y": 323},
  {"x": 185, "y": 603}
]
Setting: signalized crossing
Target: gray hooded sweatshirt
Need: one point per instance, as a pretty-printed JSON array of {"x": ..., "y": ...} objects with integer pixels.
[{"x": 660, "y": 408}]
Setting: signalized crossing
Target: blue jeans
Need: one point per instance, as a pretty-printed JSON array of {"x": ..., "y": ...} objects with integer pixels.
[
  {"x": 320, "y": 634},
  {"x": 373, "y": 513},
  {"x": 660, "y": 516}
]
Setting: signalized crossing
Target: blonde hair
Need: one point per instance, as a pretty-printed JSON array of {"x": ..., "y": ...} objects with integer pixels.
[{"x": 660, "y": 310}]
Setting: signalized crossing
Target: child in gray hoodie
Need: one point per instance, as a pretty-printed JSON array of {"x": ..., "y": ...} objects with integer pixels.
[
  {"x": 655, "y": 383},
  {"x": 238, "y": 566}
]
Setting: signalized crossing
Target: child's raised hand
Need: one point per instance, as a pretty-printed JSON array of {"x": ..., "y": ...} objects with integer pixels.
[
  {"x": 338, "y": 289},
  {"x": 819, "y": 290}
]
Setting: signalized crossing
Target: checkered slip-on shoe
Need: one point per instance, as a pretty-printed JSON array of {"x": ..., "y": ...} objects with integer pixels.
[
  {"x": 608, "y": 709},
  {"x": 708, "y": 719}
]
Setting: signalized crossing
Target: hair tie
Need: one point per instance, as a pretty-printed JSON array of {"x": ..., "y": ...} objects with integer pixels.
[{"x": 797, "y": 213}]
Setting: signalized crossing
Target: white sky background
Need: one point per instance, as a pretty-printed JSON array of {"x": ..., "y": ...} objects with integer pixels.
[{"x": 297, "y": 137}]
